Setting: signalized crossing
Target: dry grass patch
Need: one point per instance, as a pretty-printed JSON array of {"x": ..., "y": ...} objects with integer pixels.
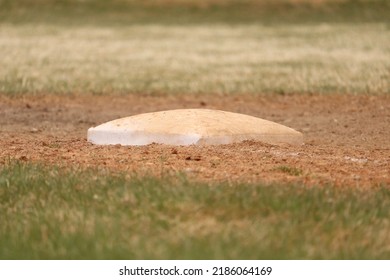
[{"x": 324, "y": 58}]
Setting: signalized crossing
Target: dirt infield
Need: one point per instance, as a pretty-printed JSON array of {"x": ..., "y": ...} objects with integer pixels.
[{"x": 346, "y": 138}]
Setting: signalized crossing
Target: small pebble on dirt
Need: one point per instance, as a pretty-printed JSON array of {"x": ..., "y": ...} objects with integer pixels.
[{"x": 195, "y": 158}]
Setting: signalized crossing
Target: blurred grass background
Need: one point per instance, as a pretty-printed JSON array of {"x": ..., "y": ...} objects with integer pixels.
[
  {"x": 201, "y": 47},
  {"x": 98, "y": 12}
]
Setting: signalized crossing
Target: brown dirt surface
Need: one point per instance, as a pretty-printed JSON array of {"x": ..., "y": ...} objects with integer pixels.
[{"x": 346, "y": 138}]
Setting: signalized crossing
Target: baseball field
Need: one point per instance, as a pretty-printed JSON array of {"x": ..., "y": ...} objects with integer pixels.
[{"x": 321, "y": 67}]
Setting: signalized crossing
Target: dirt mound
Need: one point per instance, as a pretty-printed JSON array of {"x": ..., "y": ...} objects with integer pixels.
[{"x": 346, "y": 138}]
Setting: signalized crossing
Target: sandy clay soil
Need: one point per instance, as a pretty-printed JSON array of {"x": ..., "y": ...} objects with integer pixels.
[{"x": 347, "y": 138}]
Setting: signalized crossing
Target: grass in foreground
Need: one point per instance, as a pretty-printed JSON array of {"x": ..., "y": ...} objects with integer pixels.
[
  {"x": 51, "y": 213},
  {"x": 176, "y": 47}
]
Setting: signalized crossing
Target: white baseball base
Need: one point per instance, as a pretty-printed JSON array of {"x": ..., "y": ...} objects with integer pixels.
[{"x": 191, "y": 127}]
